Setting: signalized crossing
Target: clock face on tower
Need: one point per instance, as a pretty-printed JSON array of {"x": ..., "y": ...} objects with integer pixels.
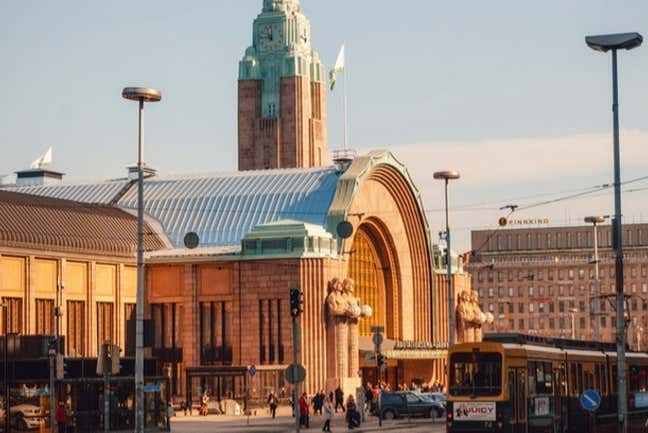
[{"x": 270, "y": 37}]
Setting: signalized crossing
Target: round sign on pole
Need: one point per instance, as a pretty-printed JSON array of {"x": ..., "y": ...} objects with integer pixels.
[
  {"x": 344, "y": 229},
  {"x": 590, "y": 400},
  {"x": 191, "y": 240},
  {"x": 295, "y": 373},
  {"x": 252, "y": 370},
  {"x": 377, "y": 339}
]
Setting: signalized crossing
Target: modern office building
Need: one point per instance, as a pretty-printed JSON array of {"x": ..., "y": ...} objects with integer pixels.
[{"x": 541, "y": 280}]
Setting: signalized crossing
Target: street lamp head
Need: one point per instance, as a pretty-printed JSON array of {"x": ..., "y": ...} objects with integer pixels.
[
  {"x": 617, "y": 41},
  {"x": 447, "y": 175},
  {"x": 595, "y": 219},
  {"x": 573, "y": 310},
  {"x": 141, "y": 94}
]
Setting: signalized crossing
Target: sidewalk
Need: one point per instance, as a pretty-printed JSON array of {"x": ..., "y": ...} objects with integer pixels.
[{"x": 284, "y": 422}]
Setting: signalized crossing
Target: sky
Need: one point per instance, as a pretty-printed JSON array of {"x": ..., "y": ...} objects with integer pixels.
[{"x": 504, "y": 91}]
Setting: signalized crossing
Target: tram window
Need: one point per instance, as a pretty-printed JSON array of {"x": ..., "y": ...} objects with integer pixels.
[
  {"x": 540, "y": 378},
  {"x": 580, "y": 378},
  {"x": 573, "y": 379},
  {"x": 604, "y": 379},
  {"x": 597, "y": 376},
  {"x": 589, "y": 380},
  {"x": 476, "y": 373},
  {"x": 614, "y": 378}
]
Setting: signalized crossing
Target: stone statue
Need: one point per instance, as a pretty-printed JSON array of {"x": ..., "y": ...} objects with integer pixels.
[
  {"x": 344, "y": 310},
  {"x": 462, "y": 316},
  {"x": 470, "y": 318}
]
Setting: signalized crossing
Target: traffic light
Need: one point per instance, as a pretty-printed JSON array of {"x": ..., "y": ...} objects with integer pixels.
[{"x": 296, "y": 302}]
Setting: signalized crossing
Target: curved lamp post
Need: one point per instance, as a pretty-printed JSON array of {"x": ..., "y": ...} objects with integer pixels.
[
  {"x": 140, "y": 94},
  {"x": 447, "y": 176},
  {"x": 605, "y": 43}
]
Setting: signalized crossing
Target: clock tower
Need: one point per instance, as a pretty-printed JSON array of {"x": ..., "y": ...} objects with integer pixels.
[{"x": 281, "y": 93}]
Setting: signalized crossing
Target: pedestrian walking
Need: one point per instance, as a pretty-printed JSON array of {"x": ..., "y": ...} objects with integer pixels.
[
  {"x": 204, "y": 404},
  {"x": 328, "y": 414},
  {"x": 273, "y": 402},
  {"x": 60, "y": 415},
  {"x": 368, "y": 397},
  {"x": 339, "y": 399},
  {"x": 352, "y": 414},
  {"x": 304, "y": 411},
  {"x": 318, "y": 402}
]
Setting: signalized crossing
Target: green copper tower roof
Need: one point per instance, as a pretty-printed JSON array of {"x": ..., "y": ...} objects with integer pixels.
[{"x": 281, "y": 47}]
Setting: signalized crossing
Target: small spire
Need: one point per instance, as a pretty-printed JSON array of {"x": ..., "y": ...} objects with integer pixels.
[{"x": 280, "y": 5}]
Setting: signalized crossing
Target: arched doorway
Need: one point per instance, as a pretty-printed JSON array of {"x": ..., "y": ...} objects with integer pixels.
[{"x": 374, "y": 268}]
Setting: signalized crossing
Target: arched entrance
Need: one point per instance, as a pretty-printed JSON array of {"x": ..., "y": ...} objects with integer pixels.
[{"x": 374, "y": 268}]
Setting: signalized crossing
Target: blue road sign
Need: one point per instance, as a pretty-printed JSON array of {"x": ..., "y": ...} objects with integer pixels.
[
  {"x": 252, "y": 370},
  {"x": 151, "y": 388},
  {"x": 590, "y": 400}
]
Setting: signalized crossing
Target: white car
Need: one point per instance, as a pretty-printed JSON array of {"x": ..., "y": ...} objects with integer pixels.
[{"x": 26, "y": 416}]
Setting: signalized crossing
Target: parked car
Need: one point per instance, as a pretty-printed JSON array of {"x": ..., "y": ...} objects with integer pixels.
[
  {"x": 401, "y": 404},
  {"x": 26, "y": 416},
  {"x": 436, "y": 396}
]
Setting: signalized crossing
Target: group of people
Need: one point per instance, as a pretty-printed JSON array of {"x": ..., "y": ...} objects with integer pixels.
[{"x": 323, "y": 405}]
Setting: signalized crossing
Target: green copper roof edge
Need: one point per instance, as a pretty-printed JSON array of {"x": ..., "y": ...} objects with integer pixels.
[{"x": 349, "y": 183}]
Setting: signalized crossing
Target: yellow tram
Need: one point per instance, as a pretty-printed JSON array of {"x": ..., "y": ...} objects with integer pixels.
[{"x": 525, "y": 384}]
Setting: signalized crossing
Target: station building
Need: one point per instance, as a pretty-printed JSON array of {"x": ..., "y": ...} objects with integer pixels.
[{"x": 224, "y": 306}]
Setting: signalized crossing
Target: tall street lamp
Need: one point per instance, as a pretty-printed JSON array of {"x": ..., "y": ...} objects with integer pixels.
[
  {"x": 595, "y": 220},
  {"x": 605, "y": 43},
  {"x": 141, "y": 95},
  {"x": 447, "y": 176},
  {"x": 572, "y": 312},
  {"x": 5, "y": 363}
]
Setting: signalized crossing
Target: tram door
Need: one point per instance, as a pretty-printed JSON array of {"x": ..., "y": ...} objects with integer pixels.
[{"x": 518, "y": 383}]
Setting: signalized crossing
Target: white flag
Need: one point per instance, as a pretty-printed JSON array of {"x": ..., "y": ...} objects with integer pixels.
[
  {"x": 339, "y": 67},
  {"x": 45, "y": 159}
]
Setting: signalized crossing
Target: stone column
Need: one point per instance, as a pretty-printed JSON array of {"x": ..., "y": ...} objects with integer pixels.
[
  {"x": 354, "y": 361},
  {"x": 341, "y": 346}
]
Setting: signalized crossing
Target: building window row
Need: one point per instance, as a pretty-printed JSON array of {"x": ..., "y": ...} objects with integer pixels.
[{"x": 553, "y": 240}]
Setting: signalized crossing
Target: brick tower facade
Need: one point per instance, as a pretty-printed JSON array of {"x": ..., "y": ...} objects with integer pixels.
[{"x": 281, "y": 93}]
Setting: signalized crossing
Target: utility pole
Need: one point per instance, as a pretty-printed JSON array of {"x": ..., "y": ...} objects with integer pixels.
[
  {"x": 5, "y": 313},
  {"x": 380, "y": 363},
  {"x": 52, "y": 395},
  {"x": 141, "y": 95},
  {"x": 595, "y": 220},
  {"x": 296, "y": 309},
  {"x": 613, "y": 43}
]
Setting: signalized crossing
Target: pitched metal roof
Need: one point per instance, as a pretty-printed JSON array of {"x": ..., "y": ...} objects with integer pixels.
[
  {"x": 222, "y": 208},
  {"x": 86, "y": 192},
  {"x": 48, "y": 224}
]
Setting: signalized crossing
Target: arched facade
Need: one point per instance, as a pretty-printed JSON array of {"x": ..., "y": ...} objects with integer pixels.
[
  {"x": 374, "y": 267},
  {"x": 390, "y": 246}
]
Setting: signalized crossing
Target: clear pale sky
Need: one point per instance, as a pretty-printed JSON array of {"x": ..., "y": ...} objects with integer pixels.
[{"x": 504, "y": 91}]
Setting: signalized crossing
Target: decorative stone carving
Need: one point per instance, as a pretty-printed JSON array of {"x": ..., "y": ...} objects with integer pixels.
[
  {"x": 344, "y": 310},
  {"x": 469, "y": 318}
]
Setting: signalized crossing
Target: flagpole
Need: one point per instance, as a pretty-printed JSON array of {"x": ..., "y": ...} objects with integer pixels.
[{"x": 344, "y": 79}]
